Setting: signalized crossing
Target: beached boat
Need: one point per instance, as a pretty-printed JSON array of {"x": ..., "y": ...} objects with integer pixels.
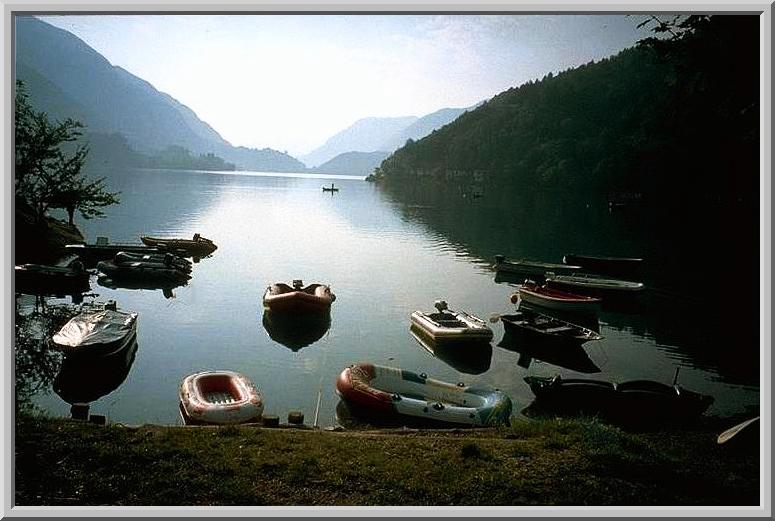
[
  {"x": 219, "y": 397},
  {"x": 637, "y": 399},
  {"x": 125, "y": 268},
  {"x": 97, "y": 332},
  {"x": 593, "y": 284},
  {"x": 528, "y": 267},
  {"x": 617, "y": 266},
  {"x": 315, "y": 298},
  {"x": 541, "y": 295},
  {"x": 448, "y": 325},
  {"x": 537, "y": 327},
  {"x": 197, "y": 247},
  {"x": 389, "y": 391},
  {"x": 39, "y": 279}
]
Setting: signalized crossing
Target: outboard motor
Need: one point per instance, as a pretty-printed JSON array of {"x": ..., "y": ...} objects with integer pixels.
[
  {"x": 111, "y": 305},
  {"x": 441, "y": 305},
  {"x": 499, "y": 259},
  {"x": 297, "y": 284}
]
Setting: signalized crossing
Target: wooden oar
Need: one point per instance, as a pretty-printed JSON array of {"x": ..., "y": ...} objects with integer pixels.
[{"x": 731, "y": 432}]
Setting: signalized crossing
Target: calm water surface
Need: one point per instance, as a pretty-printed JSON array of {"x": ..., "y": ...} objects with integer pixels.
[{"x": 384, "y": 255}]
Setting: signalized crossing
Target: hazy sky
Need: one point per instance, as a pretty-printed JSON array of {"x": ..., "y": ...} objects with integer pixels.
[{"x": 290, "y": 82}]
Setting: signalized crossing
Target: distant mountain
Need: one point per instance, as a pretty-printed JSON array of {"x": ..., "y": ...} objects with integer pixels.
[
  {"x": 353, "y": 163},
  {"x": 365, "y": 135},
  {"x": 422, "y": 127},
  {"x": 67, "y": 78}
]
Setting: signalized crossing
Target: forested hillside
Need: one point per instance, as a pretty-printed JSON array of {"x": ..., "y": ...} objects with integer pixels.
[{"x": 674, "y": 117}]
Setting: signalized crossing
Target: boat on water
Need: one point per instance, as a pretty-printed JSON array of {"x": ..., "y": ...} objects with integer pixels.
[
  {"x": 102, "y": 249},
  {"x": 389, "y": 391},
  {"x": 448, "y": 325},
  {"x": 315, "y": 298},
  {"x": 528, "y": 267},
  {"x": 331, "y": 189},
  {"x": 125, "y": 267},
  {"x": 39, "y": 279},
  {"x": 219, "y": 397},
  {"x": 198, "y": 246},
  {"x": 594, "y": 284},
  {"x": 616, "y": 266},
  {"x": 537, "y": 327},
  {"x": 96, "y": 332},
  {"x": 163, "y": 259},
  {"x": 466, "y": 356},
  {"x": 551, "y": 298},
  {"x": 635, "y": 400}
]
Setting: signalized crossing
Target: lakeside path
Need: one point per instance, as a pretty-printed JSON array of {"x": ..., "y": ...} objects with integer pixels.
[{"x": 547, "y": 462}]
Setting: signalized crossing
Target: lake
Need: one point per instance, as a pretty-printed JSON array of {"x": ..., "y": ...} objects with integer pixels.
[{"x": 388, "y": 252}]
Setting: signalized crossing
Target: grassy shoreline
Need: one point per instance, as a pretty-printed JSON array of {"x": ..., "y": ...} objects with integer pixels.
[{"x": 546, "y": 462}]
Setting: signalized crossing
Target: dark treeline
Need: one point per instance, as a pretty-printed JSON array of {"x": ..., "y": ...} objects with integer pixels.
[{"x": 676, "y": 118}]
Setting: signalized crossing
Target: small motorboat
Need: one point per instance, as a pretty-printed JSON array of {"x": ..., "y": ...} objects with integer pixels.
[
  {"x": 616, "y": 266},
  {"x": 388, "y": 391},
  {"x": 331, "y": 189},
  {"x": 197, "y": 247},
  {"x": 541, "y": 295},
  {"x": 540, "y": 328},
  {"x": 162, "y": 259},
  {"x": 102, "y": 249},
  {"x": 39, "y": 279},
  {"x": 282, "y": 298},
  {"x": 123, "y": 267},
  {"x": 594, "y": 284},
  {"x": 466, "y": 356},
  {"x": 528, "y": 267},
  {"x": 448, "y": 325},
  {"x": 219, "y": 397},
  {"x": 97, "y": 332},
  {"x": 633, "y": 400}
]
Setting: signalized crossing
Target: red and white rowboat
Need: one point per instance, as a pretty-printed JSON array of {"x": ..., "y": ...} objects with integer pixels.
[
  {"x": 219, "y": 397},
  {"x": 551, "y": 298}
]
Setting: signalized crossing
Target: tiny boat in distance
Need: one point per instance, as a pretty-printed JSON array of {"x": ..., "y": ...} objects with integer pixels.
[
  {"x": 331, "y": 189},
  {"x": 219, "y": 397},
  {"x": 527, "y": 267},
  {"x": 197, "y": 247},
  {"x": 100, "y": 332},
  {"x": 282, "y": 298},
  {"x": 593, "y": 284},
  {"x": 617, "y": 266},
  {"x": 380, "y": 391},
  {"x": 543, "y": 328},
  {"x": 448, "y": 325},
  {"x": 550, "y": 298}
]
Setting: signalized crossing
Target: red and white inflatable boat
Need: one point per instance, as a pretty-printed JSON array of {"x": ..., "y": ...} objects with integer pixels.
[
  {"x": 282, "y": 298},
  {"x": 219, "y": 397}
]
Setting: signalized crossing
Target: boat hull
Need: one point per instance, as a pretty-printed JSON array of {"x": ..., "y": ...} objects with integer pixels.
[
  {"x": 595, "y": 285},
  {"x": 219, "y": 398},
  {"x": 558, "y": 300},
  {"x": 96, "y": 334},
  {"x": 537, "y": 328},
  {"x": 523, "y": 267},
  {"x": 195, "y": 248},
  {"x": 281, "y": 298},
  {"x": 142, "y": 272},
  {"x": 471, "y": 329}
]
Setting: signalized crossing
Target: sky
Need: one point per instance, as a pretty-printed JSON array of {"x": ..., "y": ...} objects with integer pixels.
[{"x": 289, "y": 82}]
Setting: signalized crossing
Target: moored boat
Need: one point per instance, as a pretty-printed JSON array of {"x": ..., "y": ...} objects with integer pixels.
[
  {"x": 332, "y": 188},
  {"x": 537, "y": 327},
  {"x": 198, "y": 246},
  {"x": 634, "y": 400},
  {"x": 389, "y": 391},
  {"x": 99, "y": 332},
  {"x": 541, "y": 295},
  {"x": 617, "y": 266},
  {"x": 448, "y": 325},
  {"x": 219, "y": 397},
  {"x": 39, "y": 279},
  {"x": 594, "y": 284},
  {"x": 103, "y": 249},
  {"x": 163, "y": 259},
  {"x": 529, "y": 267},
  {"x": 315, "y": 298},
  {"x": 125, "y": 268}
]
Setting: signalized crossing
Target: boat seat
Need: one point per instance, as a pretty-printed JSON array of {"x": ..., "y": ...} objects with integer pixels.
[
  {"x": 558, "y": 329},
  {"x": 451, "y": 323}
]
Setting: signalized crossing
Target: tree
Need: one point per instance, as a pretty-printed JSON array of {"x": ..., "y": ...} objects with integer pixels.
[{"x": 46, "y": 174}]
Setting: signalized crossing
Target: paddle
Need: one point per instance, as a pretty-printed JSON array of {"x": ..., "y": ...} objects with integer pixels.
[{"x": 733, "y": 431}]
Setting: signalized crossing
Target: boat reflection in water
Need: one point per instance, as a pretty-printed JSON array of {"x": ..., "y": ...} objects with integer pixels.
[
  {"x": 166, "y": 287},
  {"x": 84, "y": 379},
  {"x": 467, "y": 356},
  {"x": 294, "y": 330}
]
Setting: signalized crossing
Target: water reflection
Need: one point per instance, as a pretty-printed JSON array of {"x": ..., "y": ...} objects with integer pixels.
[
  {"x": 571, "y": 357},
  {"x": 35, "y": 364},
  {"x": 84, "y": 379},
  {"x": 468, "y": 357},
  {"x": 294, "y": 330},
  {"x": 166, "y": 287}
]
